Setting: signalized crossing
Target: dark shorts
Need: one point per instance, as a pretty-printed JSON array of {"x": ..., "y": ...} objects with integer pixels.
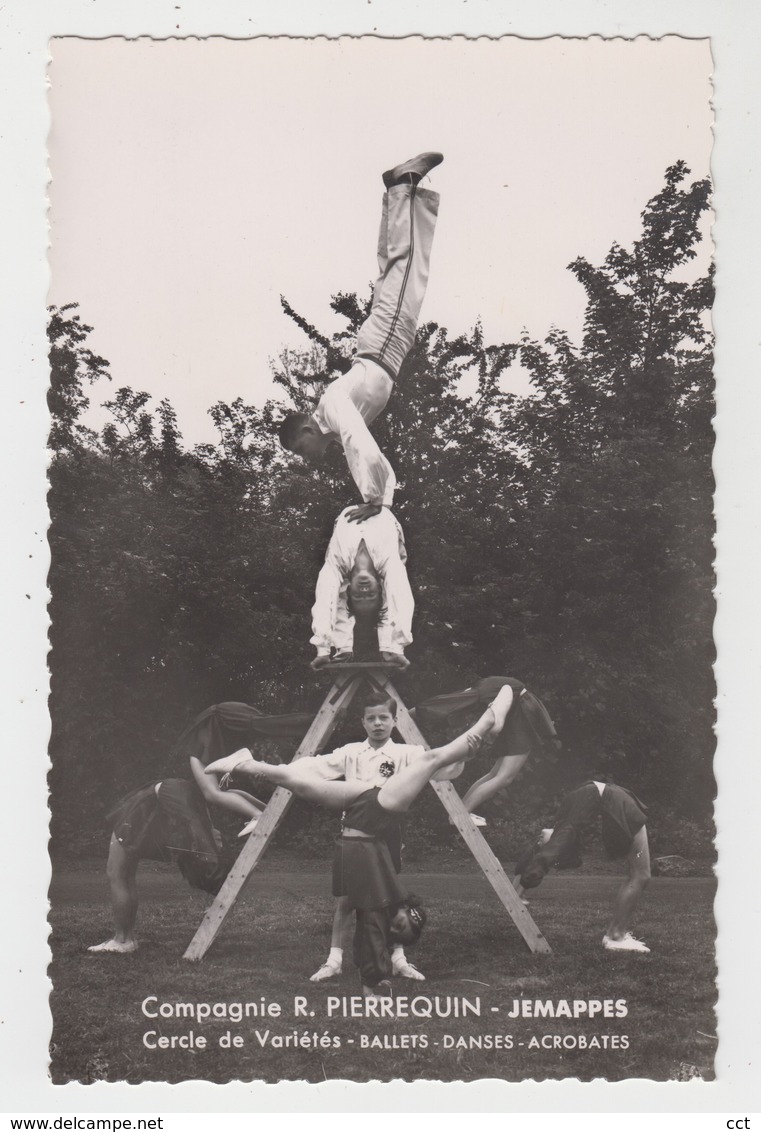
[
  {"x": 364, "y": 872},
  {"x": 170, "y": 824},
  {"x": 623, "y": 816}
]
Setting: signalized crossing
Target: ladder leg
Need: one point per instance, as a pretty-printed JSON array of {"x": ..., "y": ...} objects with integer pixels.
[
  {"x": 479, "y": 847},
  {"x": 322, "y": 725}
]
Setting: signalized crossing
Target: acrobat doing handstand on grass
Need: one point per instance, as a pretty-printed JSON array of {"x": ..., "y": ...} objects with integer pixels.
[
  {"x": 363, "y": 869},
  {"x": 624, "y": 835},
  {"x": 170, "y": 820}
]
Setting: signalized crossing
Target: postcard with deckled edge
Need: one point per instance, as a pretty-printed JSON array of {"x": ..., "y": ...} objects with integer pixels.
[{"x": 513, "y": 386}]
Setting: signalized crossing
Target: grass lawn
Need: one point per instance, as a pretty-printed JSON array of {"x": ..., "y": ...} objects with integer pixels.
[{"x": 278, "y": 934}]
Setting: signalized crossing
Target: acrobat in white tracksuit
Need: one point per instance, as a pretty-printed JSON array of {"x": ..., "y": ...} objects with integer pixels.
[
  {"x": 354, "y": 400},
  {"x": 381, "y": 539}
]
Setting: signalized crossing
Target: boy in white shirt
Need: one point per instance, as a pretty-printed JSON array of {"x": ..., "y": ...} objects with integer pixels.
[{"x": 373, "y": 761}]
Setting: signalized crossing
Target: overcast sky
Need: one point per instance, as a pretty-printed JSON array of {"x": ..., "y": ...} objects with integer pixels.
[{"x": 194, "y": 181}]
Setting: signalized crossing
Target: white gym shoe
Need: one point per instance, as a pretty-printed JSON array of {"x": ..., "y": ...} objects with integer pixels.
[
  {"x": 114, "y": 947},
  {"x": 230, "y": 763},
  {"x": 628, "y": 943},
  {"x": 402, "y": 968},
  {"x": 327, "y": 971},
  {"x": 249, "y": 827}
]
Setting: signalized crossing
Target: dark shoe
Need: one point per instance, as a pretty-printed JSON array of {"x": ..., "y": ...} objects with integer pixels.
[{"x": 412, "y": 171}]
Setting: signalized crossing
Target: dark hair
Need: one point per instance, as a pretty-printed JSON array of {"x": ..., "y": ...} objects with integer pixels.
[
  {"x": 562, "y": 850},
  {"x": 526, "y": 856},
  {"x": 533, "y": 873},
  {"x": 379, "y": 614},
  {"x": 380, "y": 699},
  {"x": 418, "y": 917},
  {"x": 289, "y": 429}
]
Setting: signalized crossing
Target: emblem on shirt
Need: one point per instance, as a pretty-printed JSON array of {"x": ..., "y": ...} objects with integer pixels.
[{"x": 386, "y": 769}]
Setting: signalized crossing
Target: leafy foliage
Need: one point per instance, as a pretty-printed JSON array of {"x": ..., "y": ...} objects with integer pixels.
[{"x": 71, "y": 364}]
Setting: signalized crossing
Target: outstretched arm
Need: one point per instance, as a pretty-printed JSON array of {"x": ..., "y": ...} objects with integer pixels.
[
  {"x": 396, "y": 634},
  {"x": 327, "y": 607},
  {"x": 370, "y": 469}
]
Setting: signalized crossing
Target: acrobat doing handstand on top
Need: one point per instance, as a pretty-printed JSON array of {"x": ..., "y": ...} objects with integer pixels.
[{"x": 354, "y": 400}]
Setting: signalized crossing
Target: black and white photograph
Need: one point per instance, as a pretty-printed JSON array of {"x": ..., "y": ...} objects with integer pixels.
[
  {"x": 380, "y": 672},
  {"x": 381, "y": 458}
]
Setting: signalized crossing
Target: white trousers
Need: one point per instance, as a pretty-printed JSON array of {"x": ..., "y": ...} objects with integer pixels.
[{"x": 405, "y": 240}]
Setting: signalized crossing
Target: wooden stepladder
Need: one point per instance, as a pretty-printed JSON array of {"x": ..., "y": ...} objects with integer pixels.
[{"x": 348, "y": 678}]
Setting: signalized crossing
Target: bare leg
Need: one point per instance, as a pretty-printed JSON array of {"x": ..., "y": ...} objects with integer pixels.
[
  {"x": 299, "y": 777},
  {"x": 234, "y": 801},
  {"x": 400, "y": 791},
  {"x": 501, "y": 775},
  {"x": 342, "y": 924},
  {"x": 121, "y": 871},
  {"x": 631, "y": 890}
]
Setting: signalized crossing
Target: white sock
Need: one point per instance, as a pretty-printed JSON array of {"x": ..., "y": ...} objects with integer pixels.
[
  {"x": 335, "y": 959},
  {"x": 397, "y": 953}
]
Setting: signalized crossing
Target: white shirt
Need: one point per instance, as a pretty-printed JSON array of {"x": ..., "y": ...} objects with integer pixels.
[
  {"x": 360, "y": 762},
  {"x": 346, "y": 408},
  {"x": 332, "y": 624}
]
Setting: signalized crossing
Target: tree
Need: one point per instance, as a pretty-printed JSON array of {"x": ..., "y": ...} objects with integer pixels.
[
  {"x": 71, "y": 363},
  {"x": 620, "y": 441}
]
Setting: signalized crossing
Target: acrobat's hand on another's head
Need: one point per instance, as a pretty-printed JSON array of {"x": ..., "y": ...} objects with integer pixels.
[{"x": 363, "y": 511}]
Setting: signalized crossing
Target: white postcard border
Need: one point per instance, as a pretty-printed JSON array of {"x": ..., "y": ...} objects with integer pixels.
[{"x": 733, "y": 28}]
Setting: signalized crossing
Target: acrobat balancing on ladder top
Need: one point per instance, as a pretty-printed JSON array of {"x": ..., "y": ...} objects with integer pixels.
[{"x": 364, "y": 578}]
